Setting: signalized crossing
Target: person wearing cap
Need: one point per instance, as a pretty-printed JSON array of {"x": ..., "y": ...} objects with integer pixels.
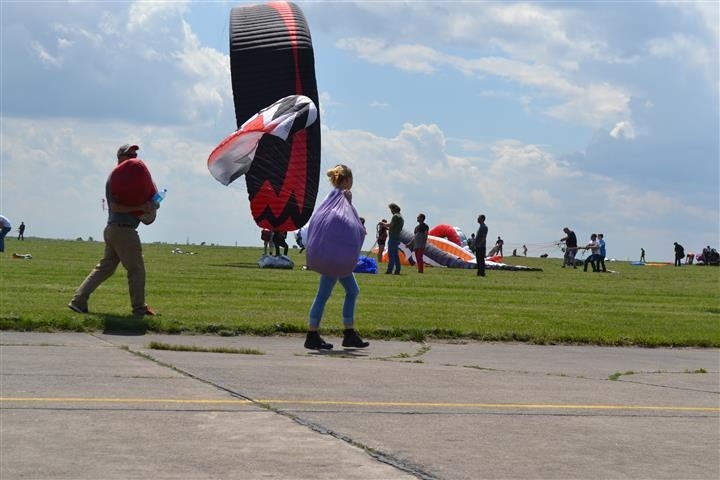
[{"x": 122, "y": 245}]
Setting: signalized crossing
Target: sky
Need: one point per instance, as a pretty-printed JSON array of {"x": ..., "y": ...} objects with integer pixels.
[{"x": 599, "y": 116}]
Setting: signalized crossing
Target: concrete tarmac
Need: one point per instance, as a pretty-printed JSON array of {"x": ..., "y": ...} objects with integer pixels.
[{"x": 91, "y": 406}]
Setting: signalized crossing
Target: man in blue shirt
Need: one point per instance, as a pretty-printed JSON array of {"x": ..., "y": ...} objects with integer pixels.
[{"x": 602, "y": 252}]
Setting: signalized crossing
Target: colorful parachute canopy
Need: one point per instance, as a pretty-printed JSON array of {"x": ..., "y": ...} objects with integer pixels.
[
  {"x": 271, "y": 57},
  {"x": 234, "y": 156},
  {"x": 446, "y": 231}
]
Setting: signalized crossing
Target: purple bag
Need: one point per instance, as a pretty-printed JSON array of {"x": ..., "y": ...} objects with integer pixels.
[{"x": 334, "y": 237}]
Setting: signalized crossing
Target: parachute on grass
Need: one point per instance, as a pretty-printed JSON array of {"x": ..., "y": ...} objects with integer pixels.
[{"x": 272, "y": 65}]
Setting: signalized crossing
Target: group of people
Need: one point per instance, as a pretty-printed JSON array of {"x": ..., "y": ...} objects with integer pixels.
[
  {"x": 389, "y": 233},
  {"x": 277, "y": 239},
  {"x": 709, "y": 256},
  {"x": 596, "y": 246},
  {"x": 122, "y": 245}
]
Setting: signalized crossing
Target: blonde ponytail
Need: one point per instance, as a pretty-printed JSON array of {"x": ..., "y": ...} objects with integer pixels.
[{"x": 338, "y": 174}]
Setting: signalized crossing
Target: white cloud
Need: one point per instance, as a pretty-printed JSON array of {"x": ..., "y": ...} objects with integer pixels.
[
  {"x": 140, "y": 62},
  {"x": 593, "y": 104},
  {"x": 556, "y": 35},
  {"x": 147, "y": 15},
  {"x": 623, "y": 129},
  {"x": 411, "y": 58},
  {"x": 684, "y": 48},
  {"x": 46, "y": 57}
]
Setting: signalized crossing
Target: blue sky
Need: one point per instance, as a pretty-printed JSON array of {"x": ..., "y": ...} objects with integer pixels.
[{"x": 601, "y": 116}]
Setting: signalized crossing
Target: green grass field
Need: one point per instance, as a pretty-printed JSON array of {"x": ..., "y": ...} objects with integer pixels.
[{"x": 221, "y": 290}]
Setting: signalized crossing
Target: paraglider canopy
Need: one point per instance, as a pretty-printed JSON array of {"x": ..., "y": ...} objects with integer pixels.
[{"x": 271, "y": 59}]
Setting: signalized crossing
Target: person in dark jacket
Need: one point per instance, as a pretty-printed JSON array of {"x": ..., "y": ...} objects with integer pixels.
[
  {"x": 279, "y": 241},
  {"x": 481, "y": 245},
  {"x": 571, "y": 247},
  {"x": 679, "y": 254}
]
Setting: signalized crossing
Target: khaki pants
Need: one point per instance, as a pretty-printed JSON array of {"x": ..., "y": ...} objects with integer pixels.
[{"x": 122, "y": 245}]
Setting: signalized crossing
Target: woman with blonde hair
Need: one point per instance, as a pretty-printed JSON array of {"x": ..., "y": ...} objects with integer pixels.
[{"x": 335, "y": 236}]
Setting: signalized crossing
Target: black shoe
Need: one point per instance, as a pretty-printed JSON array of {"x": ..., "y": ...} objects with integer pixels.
[
  {"x": 314, "y": 341},
  {"x": 146, "y": 311},
  {"x": 352, "y": 339}
]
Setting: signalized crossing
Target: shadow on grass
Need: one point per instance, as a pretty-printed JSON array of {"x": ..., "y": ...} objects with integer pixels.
[
  {"x": 127, "y": 325},
  {"x": 235, "y": 265}
]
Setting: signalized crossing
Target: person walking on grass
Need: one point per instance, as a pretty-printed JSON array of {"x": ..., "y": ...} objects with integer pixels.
[
  {"x": 341, "y": 179},
  {"x": 21, "y": 231},
  {"x": 122, "y": 243},
  {"x": 481, "y": 245},
  {"x": 266, "y": 236},
  {"x": 642, "y": 254}
]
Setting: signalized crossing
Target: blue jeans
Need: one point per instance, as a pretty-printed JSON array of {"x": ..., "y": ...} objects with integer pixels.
[
  {"x": 393, "y": 255},
  {"x": 4, "y": 231},
  {"x": 323, "y": 294}
]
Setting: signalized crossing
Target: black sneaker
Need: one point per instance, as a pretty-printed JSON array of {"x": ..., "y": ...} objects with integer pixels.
[
  {"x": 76, "y": 308},
  {"x": 314, "y": 341},
  {"x": 352, "y": 339}
]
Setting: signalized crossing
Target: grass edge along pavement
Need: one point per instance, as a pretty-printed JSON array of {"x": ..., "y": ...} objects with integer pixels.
[{"x": 221, "y": 291}]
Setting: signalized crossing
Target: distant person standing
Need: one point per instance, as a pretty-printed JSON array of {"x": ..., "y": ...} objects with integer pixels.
[
  {"x": 5, "y": 227},
  {"x": 122, "y": 243},
  {"x": 21, "y": 231},
  {"x": 571, "y": 247},
  {"x": 642, "y": 254},
  {"x": 279, "y": 241},
  {"x": 524, "y": 251},
  {"x": 394, "y": 228},
  {"x": 419, "y": 241},
  {"x": 594, "y": 247},
  {"x": 602, "y": 252},
  {"x": 471, "y": 242},
  {"x": 266, "y": 236},
  {"x": 381, "y": 234},
  {"x": 499, "y": 246},
  {"x": 679, "y": 254},
  {"x": 481, "y": 245}
]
